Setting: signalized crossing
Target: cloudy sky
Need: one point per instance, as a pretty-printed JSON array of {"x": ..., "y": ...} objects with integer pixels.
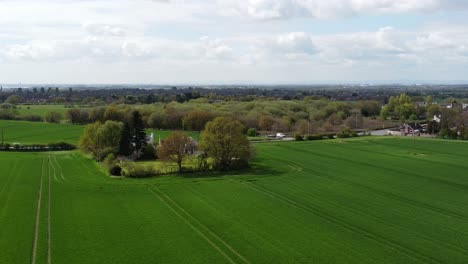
[{"x": 232, "y": 41}]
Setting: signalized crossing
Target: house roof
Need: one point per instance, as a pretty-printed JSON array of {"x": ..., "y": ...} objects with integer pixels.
[{"x": 413, "y": 126}]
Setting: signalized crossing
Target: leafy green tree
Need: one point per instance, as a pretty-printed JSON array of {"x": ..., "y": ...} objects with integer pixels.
[
  {"x": 112, "y": 113},
  {"x": 433, "y": 110},
  {"x": 225, "y": 142},
  {"x": 156, "y": 120},
  {"x": 53, "y": 117},
  {"x": 13, "y": 99},
  {"x": 100, "y": 140},
  {"x": 197, "y": 119},
  {"x": 398, "y": 107},
  {"x": 252, "y": 132}
]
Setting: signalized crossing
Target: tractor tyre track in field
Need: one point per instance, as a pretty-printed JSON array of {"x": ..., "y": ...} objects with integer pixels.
[
  {"x": 451, "y": 246},
  {"x": 192, "y": 226},
  {"x": 462, "y": 187},
  {"x": 38, "y": 213},
  {"x": 416, "y": 255},
  {"x": 49, "y": 255},
  {"x": 7, "y": 183},
  {"x": 60, "y": 168},
  {"x": 52, "y": 167},
  {"x": 379, "y": 192},
  {"x": 379, "y": 142},
  {"x": 429, "y": 162},
  {"x": 10, "y": 177},
  {"x": 205, "y": 199},
  {"x": 206, "y": 229}
]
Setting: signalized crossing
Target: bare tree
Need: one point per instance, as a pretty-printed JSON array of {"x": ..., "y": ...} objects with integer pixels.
[{"x": 176, "y": 148}]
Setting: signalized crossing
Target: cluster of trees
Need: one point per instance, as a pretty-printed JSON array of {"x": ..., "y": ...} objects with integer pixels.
[
  {"x": 453, "y": 123},
  {"x": 308, "y": 116},
  {"x": 10, "y": 112},
  {"x": 399, "y": 107},
  {"x": 223, "y": 142},
  {"x": 314, "y": 113},
  {"x": 126, "y": 138},
  {"x": 453, "y": 119}
]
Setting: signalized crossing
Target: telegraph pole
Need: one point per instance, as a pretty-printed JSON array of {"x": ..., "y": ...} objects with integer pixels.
[{"x": 2, "y": 137}]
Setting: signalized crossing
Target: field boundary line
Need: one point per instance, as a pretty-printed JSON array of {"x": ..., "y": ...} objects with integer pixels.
[
  {"x": 192, "y": 226},
  {"x": 350, "y": 227},
  {"x": 38, "y": 213},
  {"x": 206, "y": 228}
]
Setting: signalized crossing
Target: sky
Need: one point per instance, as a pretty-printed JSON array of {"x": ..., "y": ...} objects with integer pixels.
[{"x": 233, "y": 41}]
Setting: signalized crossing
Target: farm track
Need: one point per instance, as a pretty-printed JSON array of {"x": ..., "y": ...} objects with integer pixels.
[
  {"x": 38, "y": 213},
  {"x": 382, "y": 220},
  {"x": 416, "y": 255},
  {"x": 47, "y": 217},
  {"x": 197, "y": 226},
  {"x": 381, "y": 192}
]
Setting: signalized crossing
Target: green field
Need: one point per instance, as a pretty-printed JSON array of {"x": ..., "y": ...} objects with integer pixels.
[
  {"x": 25, "y": 132},
  {"x": 367, "y": 200}
]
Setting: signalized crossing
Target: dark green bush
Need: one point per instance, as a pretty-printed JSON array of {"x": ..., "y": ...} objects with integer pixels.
[
  {"x": 298, "y": 137},
  {"x": 252, "y": 132},
  {"x": 314, "y": 137}
]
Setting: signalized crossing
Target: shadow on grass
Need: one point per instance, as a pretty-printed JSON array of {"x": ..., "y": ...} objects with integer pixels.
[{"x": 255, "y": 170}]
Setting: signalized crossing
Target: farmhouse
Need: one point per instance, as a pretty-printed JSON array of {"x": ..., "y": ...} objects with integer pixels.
[{"x": 411, "y": 129}]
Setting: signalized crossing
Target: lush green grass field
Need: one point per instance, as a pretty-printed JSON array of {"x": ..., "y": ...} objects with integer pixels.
[
  {"x": 39, "y": 133},
  {"x": 165, "y": 133},
  {"x": 25, "y": 132},
  {"x": 367, "y": 200}
]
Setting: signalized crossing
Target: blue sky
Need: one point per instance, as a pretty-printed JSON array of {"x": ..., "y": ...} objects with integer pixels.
[{"x": 233, "y": 41}]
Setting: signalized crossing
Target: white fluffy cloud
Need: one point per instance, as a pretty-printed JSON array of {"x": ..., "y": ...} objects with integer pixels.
[
  {"x": 212, "y": 40},
  {"x": 282, "y": 9},
  {"x": 103, "y": 29}
]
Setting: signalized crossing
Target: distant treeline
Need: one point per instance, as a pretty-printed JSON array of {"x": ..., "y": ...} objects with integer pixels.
[
  {"x": 122, "y": 95},
  {"x": 302, "y": 116}
]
